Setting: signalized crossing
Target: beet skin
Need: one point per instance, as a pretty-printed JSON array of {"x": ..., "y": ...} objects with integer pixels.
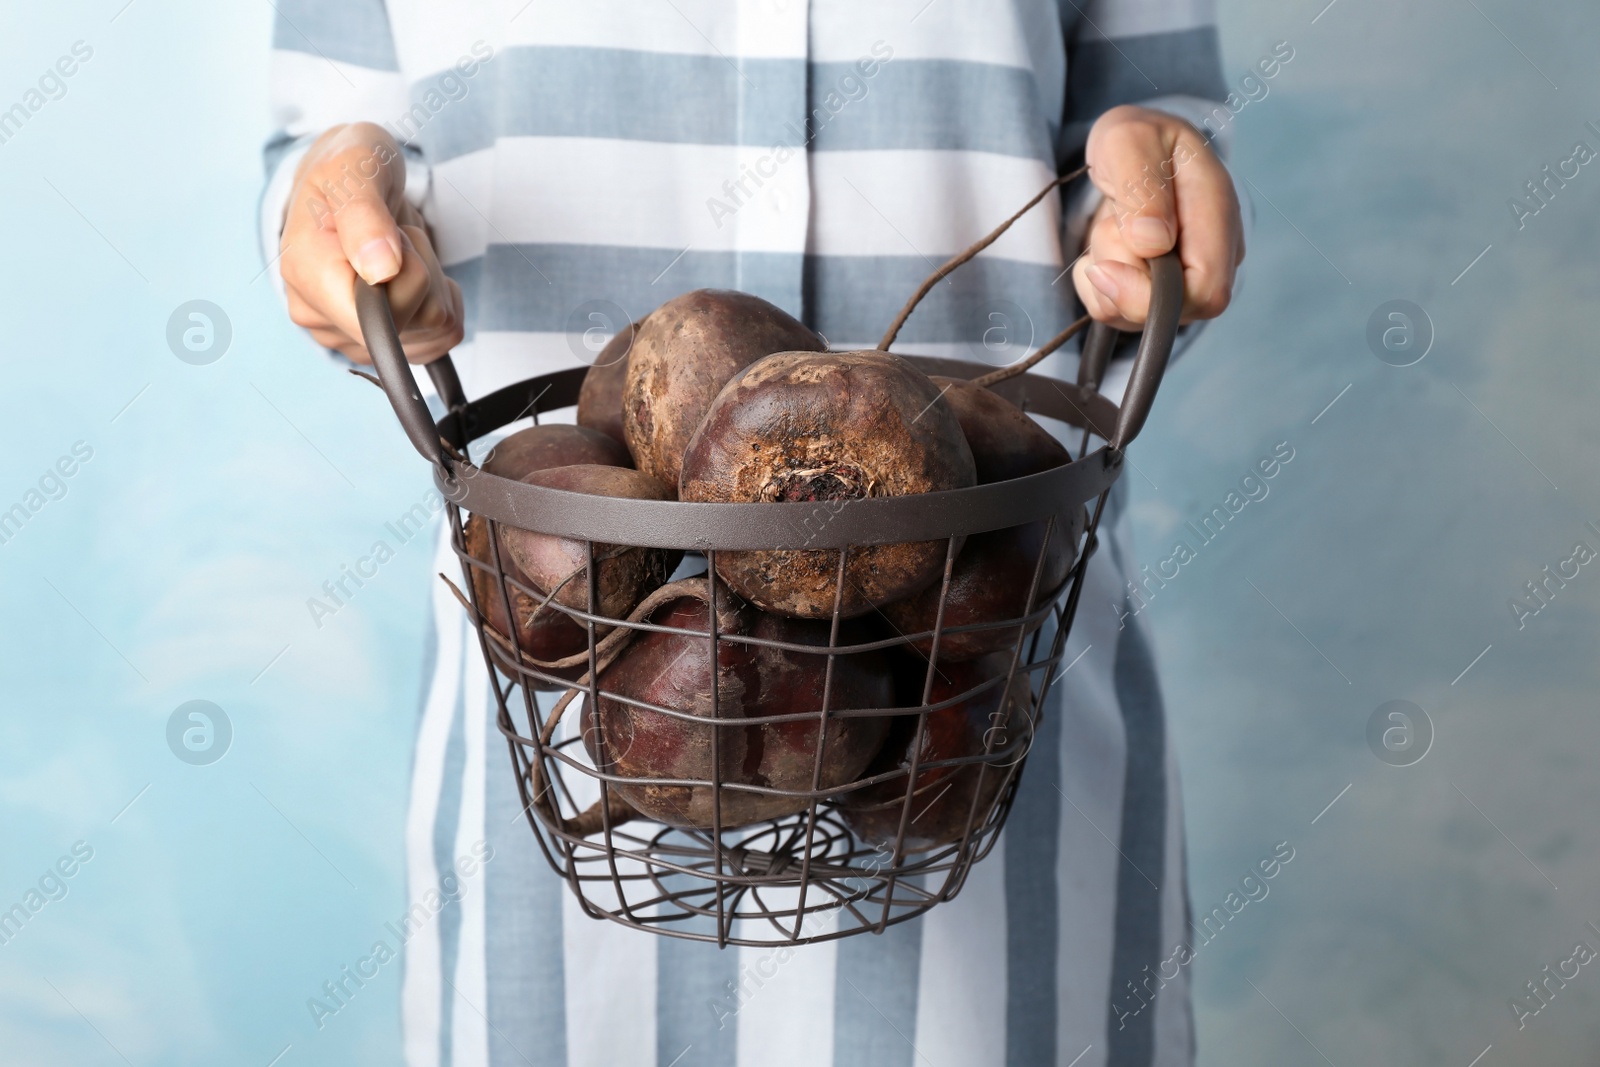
[
  {"x": 558, "y": 566},
  {"x": 990, "y": 580},
  {"x": 828, "y": 429},
  {"x": 554, "y": 444},
  {"x": 600, "y": 398},
  {"x": 686, "y": 350},
  {"x": 943, "y": 796},
  {"x": 542, "y": 633},
  {"x": 673, "y": 671}
]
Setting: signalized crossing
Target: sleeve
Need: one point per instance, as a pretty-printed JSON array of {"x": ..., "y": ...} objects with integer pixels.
[
  {"x": 1161, "y": 54},
  {"x": 333, "y": 61}
]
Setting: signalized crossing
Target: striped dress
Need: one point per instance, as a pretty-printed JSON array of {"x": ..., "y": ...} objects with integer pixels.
[{"x": 580, "y": 163}]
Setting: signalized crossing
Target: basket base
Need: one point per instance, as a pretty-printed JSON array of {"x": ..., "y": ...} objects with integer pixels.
[{"x": 765, "y": 887}]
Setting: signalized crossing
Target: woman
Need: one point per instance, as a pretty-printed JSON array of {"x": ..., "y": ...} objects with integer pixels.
[{"x": 524, "y": 177}]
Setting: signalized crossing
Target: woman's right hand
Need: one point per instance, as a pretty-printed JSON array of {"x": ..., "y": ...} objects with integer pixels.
[{"x": 348, "y": 215}]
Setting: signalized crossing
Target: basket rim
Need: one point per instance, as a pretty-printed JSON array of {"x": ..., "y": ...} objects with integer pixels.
[{"x": 707, "y": 527}]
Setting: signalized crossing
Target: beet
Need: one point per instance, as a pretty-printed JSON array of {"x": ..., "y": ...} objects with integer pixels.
[
  {"x": 828, "y": 428},
  {"x": 542, "y": 633},
  {"x": 943, "y": 795},
  {"x": 989, "y": 583},
  {"x": 1005, "y": 442},
  {"x": 685, "y": 351},
  {"x": 600, "y": 398},
  {"x": 793, "y": 683},
  {"x": 539, "y": 448},
  {"x": 991, "y": 577},
  {"x": 626, "y": 574},
  {"x": 674, "y": 671}
]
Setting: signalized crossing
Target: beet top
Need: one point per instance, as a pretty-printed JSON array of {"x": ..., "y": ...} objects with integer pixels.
[{"x": 827, "y": 428}]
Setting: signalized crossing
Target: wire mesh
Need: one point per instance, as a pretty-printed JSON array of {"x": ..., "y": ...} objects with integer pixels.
[{"x": 689, "y": 840}]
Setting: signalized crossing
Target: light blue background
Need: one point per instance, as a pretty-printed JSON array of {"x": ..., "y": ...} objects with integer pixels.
[{"x": 178, "y": 564}]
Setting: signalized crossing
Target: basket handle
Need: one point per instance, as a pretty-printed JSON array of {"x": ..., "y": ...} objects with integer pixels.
[
  {"x": 1155, "y": 349},
  {"x": 1098, "y": 345},
  {"x": 1155, "y": 343},
  {"x": 382, "y": 339}
]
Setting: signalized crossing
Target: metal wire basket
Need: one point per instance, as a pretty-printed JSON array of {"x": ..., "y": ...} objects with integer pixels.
[{"x": 841, "y": 858}]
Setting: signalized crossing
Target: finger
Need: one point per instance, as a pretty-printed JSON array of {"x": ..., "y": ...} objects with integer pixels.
[
  {"x": 458, "y": 324},
  {"x": 1131, "y": 162},
  {"x": 420, "y": 295},
  {"x": 325, "y": 282},
  {"x": 437, "y": 310},
  {"x": 352, "y": 350},
  {"x": 407, "y": 215},
  {"x": 460, "y": 303},
  {"x": 1097, "y": 302},
  {"x": 454, "y": 326},
  {"x": 305, "y": 314},
  {"x": 306, "y": 251},
  {"x": 1208, "y": 217},
  {"x": 1126, "y": 287},
  {"x": 424, "y": 346},
  {"x": 437, "y": 323},
  {"x": 410, "y": 287},
  {"x": 428, "y": 322},
  {"x": 1107, "y": 295}
]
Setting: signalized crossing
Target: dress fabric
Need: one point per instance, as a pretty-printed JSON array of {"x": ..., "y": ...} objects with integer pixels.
[{"x": 579, "y": 164}]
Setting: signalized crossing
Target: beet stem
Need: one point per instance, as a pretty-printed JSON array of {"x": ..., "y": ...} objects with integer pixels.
[
  {"x": 972, "y": 250},
  {"x": 994, "y": 377},
  {"x": 590, "y": 820}
]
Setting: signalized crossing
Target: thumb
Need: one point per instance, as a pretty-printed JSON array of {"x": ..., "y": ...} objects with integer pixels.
[
  {"x": 1147, "y": 213},
  {"x": 370, "y": 238},
  {"x": 357, "y": 187},
  {"x": 1151, "y": 231}
]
